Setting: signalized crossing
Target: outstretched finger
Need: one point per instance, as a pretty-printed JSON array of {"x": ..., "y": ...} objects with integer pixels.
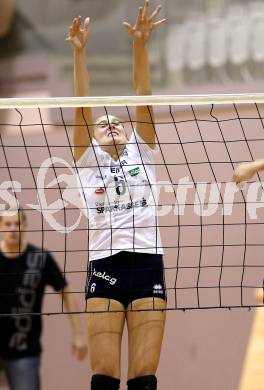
[
  {"x": 157, "y": 24},
  {"x": 155, "y": 13},
  {"x": 128, "y": 27},
  {"x": 86, "y": 24},
  {"x": 145, "y": 9},
  {"x": 75, "y": 25},
  {"x": 78, "y": 21},
  {"x": 139, "y": 17},
  {"x": 70, "y": 33}
]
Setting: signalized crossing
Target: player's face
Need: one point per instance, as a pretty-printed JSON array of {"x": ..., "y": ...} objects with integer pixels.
[
  {"x": 11, "y": 228},
  {"x": 109, "y": 131}
]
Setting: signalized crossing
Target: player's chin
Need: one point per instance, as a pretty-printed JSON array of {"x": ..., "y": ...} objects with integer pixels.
[{"x": 116, "y": 140}]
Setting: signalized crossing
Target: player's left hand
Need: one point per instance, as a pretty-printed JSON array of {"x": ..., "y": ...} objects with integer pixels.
[
  {"x": 79, "y": 347},
  {"x": 144, "y": 23}
]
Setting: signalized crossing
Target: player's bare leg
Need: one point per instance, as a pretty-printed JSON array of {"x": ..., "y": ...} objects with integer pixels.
[
  {"x": 105, "y": 335},
  {"x": 145, "y": 335}
]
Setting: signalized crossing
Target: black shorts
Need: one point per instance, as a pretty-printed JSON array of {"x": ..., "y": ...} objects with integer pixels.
[{"x": 126, "y": 276}]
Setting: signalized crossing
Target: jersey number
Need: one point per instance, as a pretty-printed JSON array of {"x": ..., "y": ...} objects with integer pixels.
[
  {"x": 120, "y": 186},
  {"x": 93, "y": 287}
]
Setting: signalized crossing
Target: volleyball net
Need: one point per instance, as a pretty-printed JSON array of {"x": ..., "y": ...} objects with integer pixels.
[{"x": 212, "y": 231}]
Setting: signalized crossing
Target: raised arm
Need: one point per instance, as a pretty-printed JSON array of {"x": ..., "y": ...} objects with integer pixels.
[
  {"x": 246, "y": 171},
  {"x": 140, "y": 34},
  {"x": 83, "y": 129}
]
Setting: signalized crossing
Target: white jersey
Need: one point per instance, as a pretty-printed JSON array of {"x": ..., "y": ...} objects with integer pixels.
[{"x": 121, "y": 199}]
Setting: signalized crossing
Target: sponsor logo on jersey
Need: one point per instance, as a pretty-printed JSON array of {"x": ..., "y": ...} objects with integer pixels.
[
  {"x": 105, "y": 276},
  {"x": 115, "y": 169},
  {"x": 134, "y": 171},
  {"x": 124, "y": 206},
  {"x": 157, "y": 289},
  {"x": 99, "y": 191}
]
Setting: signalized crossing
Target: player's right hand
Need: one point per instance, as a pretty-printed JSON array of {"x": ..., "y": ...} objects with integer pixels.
[{"x": 78, "y": 35}]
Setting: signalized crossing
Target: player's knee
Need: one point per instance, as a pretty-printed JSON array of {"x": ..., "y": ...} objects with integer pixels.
[
  {"x": 141, "y": 369},
  {"x": 146, "y": 382},
  {"x": 106, "y": 369},
  {"x": 104, "y": 382}
]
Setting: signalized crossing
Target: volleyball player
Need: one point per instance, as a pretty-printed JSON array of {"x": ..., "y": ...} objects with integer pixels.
[
  {"x": 25, "y": 271},
  {"x": 125, "y": 275},
  {"x": 246, "y": 171}
]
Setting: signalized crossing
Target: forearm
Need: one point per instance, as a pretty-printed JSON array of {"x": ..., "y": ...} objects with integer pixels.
[
  {"x": 141, "y": 69},
  {"x": 258, "y": 165},
  {"x": 81, "y": 74},
  {"x": 72, "y": 309},
  {"x": 142, "y": 86},
  {"x": 83, "y": 131}
]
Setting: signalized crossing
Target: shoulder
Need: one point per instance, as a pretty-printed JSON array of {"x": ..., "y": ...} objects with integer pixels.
[
  {"x": 37, "y": 249},
  {"x": 91, "y": 156},
  {"x": 41, "y": 254},
  {"x": 139, "y": 146}
]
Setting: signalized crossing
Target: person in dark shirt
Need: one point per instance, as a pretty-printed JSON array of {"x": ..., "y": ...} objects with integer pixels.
[{"x": 25, "y": 271}]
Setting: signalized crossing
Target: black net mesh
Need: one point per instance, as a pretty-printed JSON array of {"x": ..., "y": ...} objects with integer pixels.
[{"x": 211, "y": 230}]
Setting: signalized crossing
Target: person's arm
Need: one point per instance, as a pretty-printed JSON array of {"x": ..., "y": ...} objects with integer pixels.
[
  {"x": 79, "y": 347},
  {"x": 140, "y": 34},
  {"x": 83, "y": 129},
  {"x": 246, "y": 171},
  {"x": 7, "y": 13}
]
